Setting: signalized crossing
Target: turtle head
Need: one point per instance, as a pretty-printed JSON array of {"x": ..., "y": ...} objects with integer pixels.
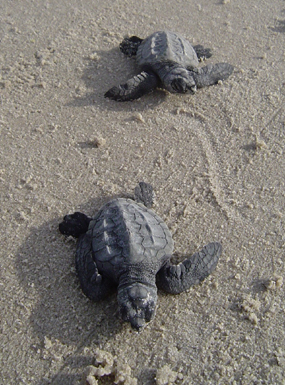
[
  {"x": 179, "y": 80},
  {"x": 137, "y": 304},
  {"x": 183, "y": 85}
]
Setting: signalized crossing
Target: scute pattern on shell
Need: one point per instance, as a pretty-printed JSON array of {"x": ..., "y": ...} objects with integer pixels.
[
  {"x": 126, "y": 233},
  {"x": 166, "y": 46}
]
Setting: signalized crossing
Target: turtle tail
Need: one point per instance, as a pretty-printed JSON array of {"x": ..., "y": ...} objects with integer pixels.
[{"x": 74, "y": 224}]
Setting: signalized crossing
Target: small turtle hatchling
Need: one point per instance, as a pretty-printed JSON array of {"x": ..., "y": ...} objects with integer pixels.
[
  {"x": 128, "y": 247},
  {"x": 167, "y": 60}
]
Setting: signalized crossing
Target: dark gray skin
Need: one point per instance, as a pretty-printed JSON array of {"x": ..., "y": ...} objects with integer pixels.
[
  {"x": 169, "y": 61},
  {"x": 128, "y": 247}
]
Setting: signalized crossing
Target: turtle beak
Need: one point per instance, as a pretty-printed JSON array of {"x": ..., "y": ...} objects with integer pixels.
[
  {"x": 191, "y": 89},
  {"x": 182, "y": 86},
  {"x": 137, "y": 324}
]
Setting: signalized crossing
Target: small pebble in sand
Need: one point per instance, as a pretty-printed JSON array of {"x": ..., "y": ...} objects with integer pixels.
[
  {"x": 94, "y": 56},
  {"x": 97, "y": 142},
  {"x": 237, "y": 276},
  {"x": 138, "y": 117},
  {"x": 274, "y": 283},
  {"x": 249, "y": 306},
  {"x": 106, "y": 365},
  {"x": 90, "y": 380},
  {"x": 259, "y": 144},
  {"x": 47, "y": 343},
  {"x": 165, "y": 376},
  {"x": 123, "y": 375}
]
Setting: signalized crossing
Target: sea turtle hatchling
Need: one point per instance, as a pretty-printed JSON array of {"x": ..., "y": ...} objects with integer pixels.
[
  {"x": 167, "y": 60},
  {"x": 128, "y": 247}
]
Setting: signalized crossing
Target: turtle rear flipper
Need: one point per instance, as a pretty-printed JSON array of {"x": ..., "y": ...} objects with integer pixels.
[
  {"x": 93, "y": 285},
  {"x": 144, "y": 194},
  {"x": 175, "y": 279},
  {"x": 212, "y": 73},
  {"x": 136, "y": 87},
  {"x": 202, "y": 53},
  {"x": 130, "y": 45},
  {"x": 74, "y": 224}
]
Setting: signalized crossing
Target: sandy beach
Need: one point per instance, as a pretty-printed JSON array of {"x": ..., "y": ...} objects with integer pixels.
[{"x": 216, "y": 161}]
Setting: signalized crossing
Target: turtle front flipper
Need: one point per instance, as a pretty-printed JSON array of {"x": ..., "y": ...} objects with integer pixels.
[
  {"x": 202, "y": 53},
  {"x": 130, "y": 45},
  {"x": 211, "y": 74},
  {"x": 175, "y": 279},
  {"x": 74, "y": 224},
  {"x": 136, "y": 87},
  {"x": 94, "y": 285}
]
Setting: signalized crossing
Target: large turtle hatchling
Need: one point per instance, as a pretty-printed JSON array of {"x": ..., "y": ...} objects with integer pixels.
[
  {"x": 128, "y": 246},
  {"x": 167, "y": 60}
]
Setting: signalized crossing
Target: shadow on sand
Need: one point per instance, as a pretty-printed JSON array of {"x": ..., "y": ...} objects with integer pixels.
[
  {"x": 97, "y": 77},
  {"x": 63, "y": 317}
]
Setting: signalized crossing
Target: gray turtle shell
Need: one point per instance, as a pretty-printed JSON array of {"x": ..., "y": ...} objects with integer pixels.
[
  {"x": 126, "y": 233},
  {"x": 166, "y": 46}
]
